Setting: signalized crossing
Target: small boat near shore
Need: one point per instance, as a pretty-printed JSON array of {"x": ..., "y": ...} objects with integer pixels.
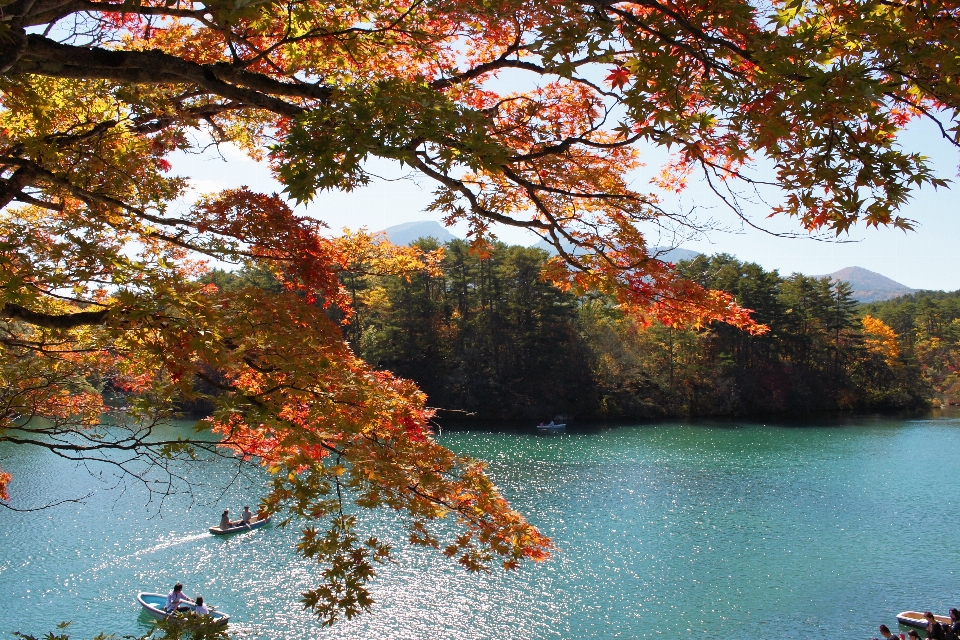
[
  {"x": 916, "y": 619},
  {"x": 154, "y": 603},
  {"x": 551, "y": 426},
  {"x": 256, "y": 524}
]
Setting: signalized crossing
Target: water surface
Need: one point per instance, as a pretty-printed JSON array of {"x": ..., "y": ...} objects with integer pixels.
[{"x": 716, "y": 530}]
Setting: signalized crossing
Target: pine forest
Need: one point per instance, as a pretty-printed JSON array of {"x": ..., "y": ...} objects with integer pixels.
[{"x": 487, "y": 339}]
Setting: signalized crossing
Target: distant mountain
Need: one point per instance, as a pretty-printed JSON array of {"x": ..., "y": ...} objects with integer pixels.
[
  {"x": 676, "y": 255},
  {"x": 869, "y": 286},
  {"x": 669, "y": 255},
  {"x": 409, "y": 231}
]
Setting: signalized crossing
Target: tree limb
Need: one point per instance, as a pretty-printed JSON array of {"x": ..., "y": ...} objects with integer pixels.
[
  {"x": 53, "y": 321},
  {"x": 46, "y": 57}
]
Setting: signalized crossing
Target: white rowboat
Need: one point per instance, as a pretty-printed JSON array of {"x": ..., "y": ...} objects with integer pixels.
[
  {"x": 916, "y": 619},
  {"x": 154, "y": 603},
  {"x": 256, "y": 524}
]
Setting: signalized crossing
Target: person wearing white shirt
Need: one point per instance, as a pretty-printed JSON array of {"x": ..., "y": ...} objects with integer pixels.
[
  {"x": 247, "y": 515},
  {"x": 201, "y": 609},
  {"x": 175, "y": 597}
]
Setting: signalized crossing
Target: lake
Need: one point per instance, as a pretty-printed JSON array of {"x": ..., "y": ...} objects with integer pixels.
[{"x": 715, "y": 530}]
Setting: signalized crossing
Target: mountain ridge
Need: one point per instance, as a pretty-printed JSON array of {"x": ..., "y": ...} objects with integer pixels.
[
  {"x": 407, "y": 232},
  {"x": 869, "y": 286}
]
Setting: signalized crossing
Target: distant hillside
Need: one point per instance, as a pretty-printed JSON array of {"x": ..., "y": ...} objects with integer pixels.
[
  {"x": 869, "y": 286},
  {"x": 409, "y": 231},
  {"x": 676, "y": 255},
  {"x": 669, "y": 255}
]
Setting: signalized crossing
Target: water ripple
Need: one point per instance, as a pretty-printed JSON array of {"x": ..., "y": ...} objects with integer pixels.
[{"x": 662, "y": 530}]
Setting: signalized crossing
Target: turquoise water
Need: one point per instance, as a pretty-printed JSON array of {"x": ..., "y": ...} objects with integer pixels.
[{"x": 719, "y": 531}]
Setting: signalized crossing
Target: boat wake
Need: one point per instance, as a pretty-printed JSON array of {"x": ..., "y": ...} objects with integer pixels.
[{"x": 166, "y": 544}]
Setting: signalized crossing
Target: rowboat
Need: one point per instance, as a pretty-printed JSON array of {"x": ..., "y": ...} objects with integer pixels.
[
  {"x": 256, "y": 524},
  {"x": 551, "y": 426},
  {"x": 154, "y": 603},
  {"x": 916, "y": 619}
]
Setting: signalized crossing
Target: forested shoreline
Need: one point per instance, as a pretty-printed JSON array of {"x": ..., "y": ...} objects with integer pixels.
[{"x": 487, "y": 339}]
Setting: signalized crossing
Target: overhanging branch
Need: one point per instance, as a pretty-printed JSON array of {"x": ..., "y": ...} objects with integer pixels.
[
  {"x": 46, "y": 57},
  {"x": 53, "y": 321}
]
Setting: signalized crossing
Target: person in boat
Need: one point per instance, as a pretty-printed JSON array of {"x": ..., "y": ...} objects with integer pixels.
[
  {"x": 225, "y": 520},
  {"x": 247, "y": 515},
  {"x": 950, "y": 629},
  {"x": 934, "y": 628},
  {"x": 949, "y": 633},
  {"x": 201, "y": 609},
  {"x": 175, "y": 597}
]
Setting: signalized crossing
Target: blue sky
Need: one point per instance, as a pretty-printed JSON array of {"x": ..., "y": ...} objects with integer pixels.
[{"x": 924, "y": 259}]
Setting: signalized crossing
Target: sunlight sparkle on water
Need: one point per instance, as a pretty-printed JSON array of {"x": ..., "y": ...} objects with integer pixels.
[{"x": 718, "y": 530}]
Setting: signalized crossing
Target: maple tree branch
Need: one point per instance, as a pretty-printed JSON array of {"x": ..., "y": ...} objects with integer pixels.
[
  {"x": 567, "y": 143},
  {"x": 944, "y": 133},
  {"x": 89, "y": 197},
  {"x": 26, "y": 198},
  {"x": 502, "y": 62},
  {"x": 738, "y": 210},
  {"x": 533, "y": 186},
  {"x": 153, "y": 122},
  {"x": 66, "y": 438},
  {"x": 13, "y": 311},
  {"x": 46, "y": 57},
  {"x": 494, "y": 65},
  {"x": 13, "y": 44},
  {"x": 287, "y": 38},
  {"x": 685, "y": 23},
  {"x": 140, "y": 458},
  {"x": 9, "y": 189},
  {"x": 708, "y": 61},
  {"x": 49, "y": 505},
  {"x": 471, "y": 197},
  {"x": 81, "y": 6},
  {"x": 67, "y": 138}
]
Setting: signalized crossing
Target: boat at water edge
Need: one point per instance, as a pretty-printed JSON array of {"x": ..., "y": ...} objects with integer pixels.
[
  {"x": 256, "y": 524},
  {"x": 154, "y": 603},
  {"x": 916, "y": 619},
  {"x": 551, "y": 426}
]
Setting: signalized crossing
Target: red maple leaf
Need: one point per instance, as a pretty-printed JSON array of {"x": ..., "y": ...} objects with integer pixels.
[{"x": 618, "y": 77}]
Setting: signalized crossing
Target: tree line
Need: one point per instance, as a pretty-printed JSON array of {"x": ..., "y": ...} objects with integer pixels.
[
  {"x": 927, "y": 324},
  {"x": 487, "y": 339}
]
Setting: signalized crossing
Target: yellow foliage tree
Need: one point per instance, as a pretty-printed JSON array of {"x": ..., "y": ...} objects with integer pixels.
[{"x": 880, "y": 339}]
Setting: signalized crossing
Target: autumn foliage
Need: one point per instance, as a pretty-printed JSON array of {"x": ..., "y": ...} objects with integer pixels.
[
  {"x": 880, "y": 339},
  {"x": 530, "y": 114}
]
